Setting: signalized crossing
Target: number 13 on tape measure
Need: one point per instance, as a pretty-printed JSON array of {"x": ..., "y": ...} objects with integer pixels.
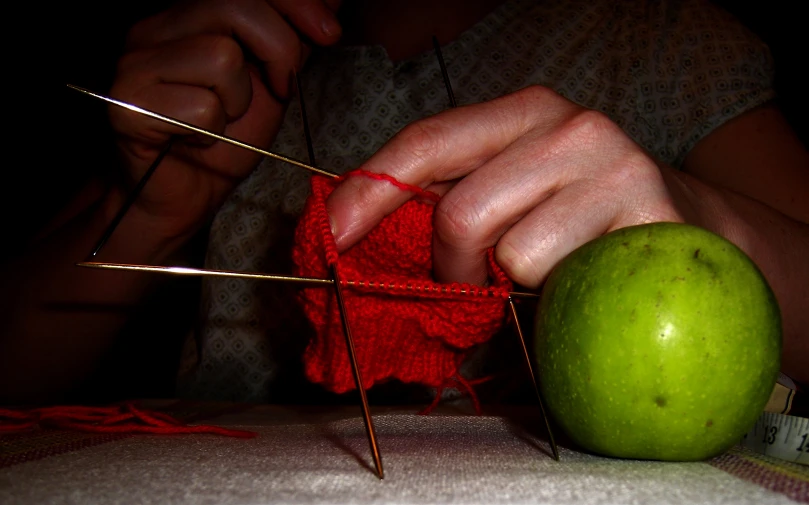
[{"x": 780, "y": 436}]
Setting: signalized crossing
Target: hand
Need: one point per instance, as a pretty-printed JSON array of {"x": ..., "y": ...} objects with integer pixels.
[
  {"x": 226, "y": 66},
  {"x": 530, "y": 173}
]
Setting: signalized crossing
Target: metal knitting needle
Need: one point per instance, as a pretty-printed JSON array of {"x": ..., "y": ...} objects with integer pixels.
[
  {"x": 202, "y": 131},
  {"x": 527, "y": 356},
  {"x": 352, "y": 355},
  {"x": 203, "y": 272},
  {"x": 534, "y": 378},
  {"x": 304, "y": 119},
  {"x": 444, "y": 73},
  {"x": 130, "y": 199},
  {"x": 338, "y": 290}
]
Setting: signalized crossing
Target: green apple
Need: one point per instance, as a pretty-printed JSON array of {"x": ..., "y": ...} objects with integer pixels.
[{"x": 659, "y": 341}]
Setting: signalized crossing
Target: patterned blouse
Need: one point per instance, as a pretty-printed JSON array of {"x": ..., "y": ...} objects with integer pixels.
[{"x": 668, "y": 72}]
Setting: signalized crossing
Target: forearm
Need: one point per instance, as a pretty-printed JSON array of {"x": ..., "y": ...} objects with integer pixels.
[
  {"x": 59, "y": 319},
  {"x": 778, "y": 244}
]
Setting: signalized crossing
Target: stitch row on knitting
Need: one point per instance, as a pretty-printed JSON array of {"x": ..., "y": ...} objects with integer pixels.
[{"x": 431, "y": 288}]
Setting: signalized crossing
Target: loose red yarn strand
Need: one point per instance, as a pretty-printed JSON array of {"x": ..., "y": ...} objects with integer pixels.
[
  {"x": 463, "y": 385},
  {"x": 124, "y": 419},
  {"x": 428, "y": 195}
]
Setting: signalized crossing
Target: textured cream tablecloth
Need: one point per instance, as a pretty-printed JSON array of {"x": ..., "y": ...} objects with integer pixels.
[{"x": 321, "y": 456}]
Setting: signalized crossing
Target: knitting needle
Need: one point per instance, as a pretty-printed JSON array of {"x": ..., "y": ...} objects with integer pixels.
[
  {"x": 338, "y": 290},
  {"x": 131, "y": 199},
  {"x": 444, "y": 73},
  {"x": 202, "y": 131},
  {"x": 202, "y": 272},
  {"x": 304, "y": 119},
  {"x": 244, "y": 145},
  {"x": 534, "y": 378},
  {"x": 352, "y": 355}
]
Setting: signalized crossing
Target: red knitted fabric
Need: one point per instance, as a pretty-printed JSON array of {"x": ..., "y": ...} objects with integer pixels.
[{"x": 405, "y": 325}]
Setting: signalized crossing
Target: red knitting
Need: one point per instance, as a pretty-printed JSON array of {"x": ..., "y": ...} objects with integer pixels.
[{"x": 405, "y": 325}]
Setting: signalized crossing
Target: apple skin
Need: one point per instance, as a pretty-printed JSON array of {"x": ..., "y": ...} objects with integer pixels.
[{"x": 659, "y": 341}]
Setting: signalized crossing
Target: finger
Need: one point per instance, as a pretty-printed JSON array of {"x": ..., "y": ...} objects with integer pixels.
[
  {"x": 472, "y": 216},
  {"x": 533, "y": 246},
  {"x": 475, "y": 214},
  {"x": 316, "y": 19},
  {"x": 585, "y": 153},
  {"x": 191, "y": 104},
  {"x": 208, "y": 61},
  {"x": 447, "y": 146},
  {"x": 258, "y": 126},
  {"x": 254, "y": 23},
  {"x": 236, "y": 17},
  {"x": 530, "y": 249}
]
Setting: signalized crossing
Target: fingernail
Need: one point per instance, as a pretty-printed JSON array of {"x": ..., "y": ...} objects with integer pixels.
[
  {"x": 333, "y": 228},
  {"x": 331, "y": 27}
]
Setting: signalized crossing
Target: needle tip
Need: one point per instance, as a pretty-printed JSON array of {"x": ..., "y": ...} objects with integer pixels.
[{"x": 378, "y": 464}]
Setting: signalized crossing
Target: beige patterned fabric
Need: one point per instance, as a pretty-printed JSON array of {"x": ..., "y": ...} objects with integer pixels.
[
  {"x": 668, "y": 72},
  {"x": 320, "y": 456}
]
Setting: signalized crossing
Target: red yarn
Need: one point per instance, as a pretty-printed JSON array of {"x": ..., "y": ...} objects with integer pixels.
[
  {"x": 462, "y": 385},
  {"x": 429, "y": 195},
  {"x": 405, "y": 325},
  {"x": 118, "y": 419}
]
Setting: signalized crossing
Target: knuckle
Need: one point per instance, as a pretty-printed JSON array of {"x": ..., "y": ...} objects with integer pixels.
[
  {"x": 226, "y": 55},
  {"x": 597, "y": 138},
  {"x": 520, "y": 266},
  {"x": 456, "y": 223},
  {"x": 635, "y": 167},
  {"x": 534, "y": 93},
  {"x": 589, "y": 128},
  {"x": 208, "y": 111},
  {"x": 424, "y": 139},
  {"x": 522, "y": 105},
  {"x": 630, "y": 173}
]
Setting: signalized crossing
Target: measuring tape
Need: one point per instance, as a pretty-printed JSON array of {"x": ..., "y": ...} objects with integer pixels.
[{"x": 781, "y": 436}]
